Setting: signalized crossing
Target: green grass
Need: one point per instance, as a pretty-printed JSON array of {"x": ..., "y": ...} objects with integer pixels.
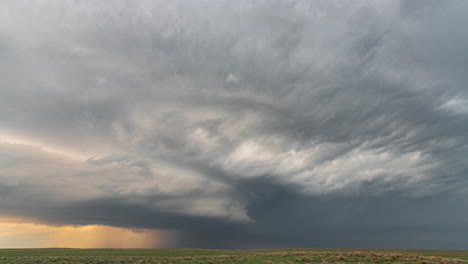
[{"x": 195, "y": 256}]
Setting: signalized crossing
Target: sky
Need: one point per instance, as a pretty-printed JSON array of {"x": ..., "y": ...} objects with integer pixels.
[{"x": 234, "y": 124}]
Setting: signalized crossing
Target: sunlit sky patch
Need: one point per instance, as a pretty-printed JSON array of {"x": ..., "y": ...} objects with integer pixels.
[{"x": 20, "y": 233}]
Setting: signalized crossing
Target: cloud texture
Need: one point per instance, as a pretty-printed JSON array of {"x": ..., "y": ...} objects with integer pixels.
[{"x": 239, "y": 124}]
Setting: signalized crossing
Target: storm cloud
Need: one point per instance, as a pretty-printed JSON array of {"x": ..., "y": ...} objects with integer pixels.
[{"x": 239, "y": 123}]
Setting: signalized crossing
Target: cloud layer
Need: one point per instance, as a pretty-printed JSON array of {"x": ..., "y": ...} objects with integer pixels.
[{"x": 220, "y": 119}]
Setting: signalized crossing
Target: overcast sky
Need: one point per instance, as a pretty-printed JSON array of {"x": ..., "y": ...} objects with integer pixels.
[{"x": 268, "y": 123}]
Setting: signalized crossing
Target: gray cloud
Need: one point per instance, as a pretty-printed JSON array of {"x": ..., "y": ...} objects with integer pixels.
[{"x": 211, "y": 115}]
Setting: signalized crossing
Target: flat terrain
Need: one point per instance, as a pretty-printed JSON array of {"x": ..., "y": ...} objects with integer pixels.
[{"x": 266, "y": 256}]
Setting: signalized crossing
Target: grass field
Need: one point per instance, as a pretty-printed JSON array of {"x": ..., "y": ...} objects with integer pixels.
[{"x": 266, "y": 256}]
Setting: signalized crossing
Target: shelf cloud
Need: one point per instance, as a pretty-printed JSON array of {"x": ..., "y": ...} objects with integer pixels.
[{"x": 238, "y": 124}]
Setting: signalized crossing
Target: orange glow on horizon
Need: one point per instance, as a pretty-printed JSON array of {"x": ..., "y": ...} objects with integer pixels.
[{"x": 19, "y": 233}]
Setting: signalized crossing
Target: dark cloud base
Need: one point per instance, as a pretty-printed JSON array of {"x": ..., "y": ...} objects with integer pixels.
[{"x": 283, "y": 218}]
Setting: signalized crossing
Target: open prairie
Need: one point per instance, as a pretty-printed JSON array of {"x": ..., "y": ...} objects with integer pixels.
[{"x": 192, "y": 256}]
